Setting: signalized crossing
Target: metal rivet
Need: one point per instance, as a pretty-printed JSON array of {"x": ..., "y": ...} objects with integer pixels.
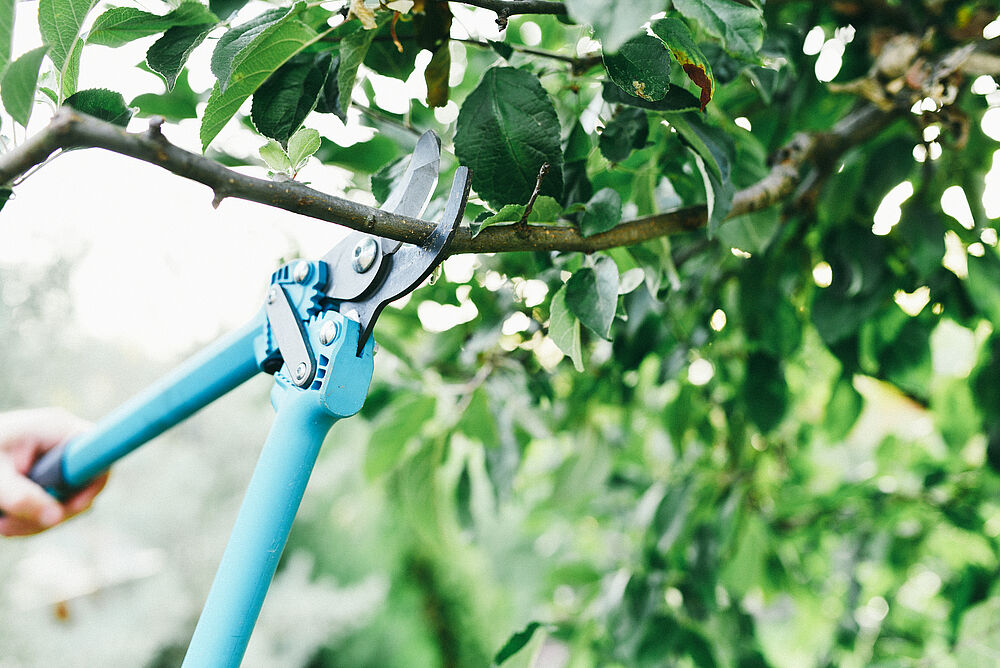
[
  {"x": 301, "y": 272},
  {"x": 329, "y": 332},
  {"x": 364, "y": 255},
  {"x": 300, "y": 371},
  {"x": 272, "y": 294}
]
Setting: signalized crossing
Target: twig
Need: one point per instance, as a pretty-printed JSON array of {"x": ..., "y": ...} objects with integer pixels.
[
  {"x": 542, "y": 171},
  {"x": 579, "y": 64}
]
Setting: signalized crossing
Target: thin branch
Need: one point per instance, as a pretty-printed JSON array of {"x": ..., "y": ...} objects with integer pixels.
[
  {"x": 578, "y": 63},
  {"x": 507, "y": 8},
  {"x": 71, "y": 130}
]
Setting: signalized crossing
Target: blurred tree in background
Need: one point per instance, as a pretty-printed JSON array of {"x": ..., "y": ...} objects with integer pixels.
[{"x": 717, "y": 386}]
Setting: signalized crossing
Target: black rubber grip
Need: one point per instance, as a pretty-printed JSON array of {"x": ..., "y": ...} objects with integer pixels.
[{"x": 48, "y": 472}]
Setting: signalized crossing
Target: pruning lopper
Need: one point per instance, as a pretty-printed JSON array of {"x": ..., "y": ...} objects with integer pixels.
[{"x": 314, "y": 334}]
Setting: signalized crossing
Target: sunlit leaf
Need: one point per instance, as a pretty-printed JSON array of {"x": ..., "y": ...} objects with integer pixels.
[
  {"x": 19, "y": 83},
  {"x": 60, "y": 22}
]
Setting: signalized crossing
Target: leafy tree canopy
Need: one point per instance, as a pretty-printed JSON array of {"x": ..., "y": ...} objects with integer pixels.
[{"x": 712, "y": 376}]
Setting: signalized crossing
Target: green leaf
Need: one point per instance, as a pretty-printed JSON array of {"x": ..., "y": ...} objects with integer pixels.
[
  {"x": 718, "y": 194},
  {"x": 101, "y": 103},
  {"x": 301, "y": 146},
  {"x": 641, "y": 67},
  {"x": 395, "y": 427},
  {"x": 261, "y": 59},
  {"x": 328, "y": 100},
  {"x": 978, "y": 642},
  {"x": 59, "y": 22},
  {"x": 6, "y": 32},
  {"x": 564, "y": 329},
  {"x": 121, "y": 25},
  {"x": 507, "y": 128},
  {"x": 275, "y": 156},
  {"x": 576, "y": 183},
  {"x": 614, "y": 21},
  {"x": 175, "y": 105},
  {"x": 167, "y": 55},
  {"x": 5, "y": 194},
  {"x": 751, "y": 232},
  {"x": 627, "y": 131},
  {"x": 478, "y": 422},
  {"x": 545, "y": 210},
  {"x": 676, "y": 99},
  {"x": 19, "y": 83},
  {"x": 231, "y": 45},
  {"x": 711, "y": 143},
  {"x": 592, "y": 295},
  {"x": 678, "y": 39},
  {"x": 286, "y": 98},
  {"x": 843, "y": 409},
  {"x": 765, "y": 390},
  {"x": 741, "y": 28},
  {"x": 516, "y": 643},
  {"x": 225, "y": 8},
  {"x": 436, "y": 77},
  {"x": 353, "y": 49},
  {"x": 603, "y": 212},
  {"x": 713, "y": 150}
]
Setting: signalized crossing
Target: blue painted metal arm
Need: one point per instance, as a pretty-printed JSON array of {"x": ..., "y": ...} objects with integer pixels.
[
  {"x": 197, "y": 382},
  {"x": 304, "y": 416}
]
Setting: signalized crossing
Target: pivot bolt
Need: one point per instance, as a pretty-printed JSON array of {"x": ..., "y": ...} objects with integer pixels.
[
  {"x": 272, "y": 294},
  {"x": 364, "y": 255},
  {"x": 300, "y": 372},
  {"x": 329, "y": 332},
  {"x": 301, "y": 272}
]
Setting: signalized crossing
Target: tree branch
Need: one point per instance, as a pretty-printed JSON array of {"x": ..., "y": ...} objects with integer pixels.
[
  {"x": 70, "y": 130},
  {"x": 507, "y": 8}
]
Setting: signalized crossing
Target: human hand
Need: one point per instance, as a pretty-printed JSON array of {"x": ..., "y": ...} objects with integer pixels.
[{"x": 25, "y": 435}]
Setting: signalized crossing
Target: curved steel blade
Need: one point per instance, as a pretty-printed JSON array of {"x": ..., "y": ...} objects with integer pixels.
[
  {"x": 410, "y": 196},
  {"x": 410, "y": 265}
]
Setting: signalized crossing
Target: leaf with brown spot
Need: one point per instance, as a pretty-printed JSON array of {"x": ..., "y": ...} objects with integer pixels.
[{"x": 677, "y": 38}]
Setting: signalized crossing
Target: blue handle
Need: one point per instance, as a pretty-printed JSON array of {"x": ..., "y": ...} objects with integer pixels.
[
  {"x": 260, "y": 533},
  {"x": 275, "y": 491},
  {"x": 199, "y": 381}
]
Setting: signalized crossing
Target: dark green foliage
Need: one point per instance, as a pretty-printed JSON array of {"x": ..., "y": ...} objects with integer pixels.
[
  {"x": 101, "y": 103},
  {"x": 507, "y": 129},
  {"x": 286, "y": 98},
  {"x": 627, "y": 131}
]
